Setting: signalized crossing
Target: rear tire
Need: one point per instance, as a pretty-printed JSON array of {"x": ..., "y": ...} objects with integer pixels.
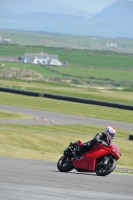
[
  {"x": 102, "y": 171},
  {"x": 65, "y": 164}
]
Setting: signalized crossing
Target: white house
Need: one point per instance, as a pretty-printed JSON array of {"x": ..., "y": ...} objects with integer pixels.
[
  {"x": 111, "y": 45},
  {"x": 55, "y": 62},
  {"x": 40, "y": 58},
  {"x": 5, "y": 40}
]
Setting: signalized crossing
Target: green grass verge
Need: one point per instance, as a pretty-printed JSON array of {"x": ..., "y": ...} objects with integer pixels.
[
  {"x": 47, "y": 142},
  {"x": 119, "y": 96},
  {"x": 88, "y": 110},
  {"x": 11, "y": 115},
  {"x": 123, "y": 171}
]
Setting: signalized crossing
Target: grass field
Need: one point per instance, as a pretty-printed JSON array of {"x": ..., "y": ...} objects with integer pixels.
[
  {"x": 10, "y": 115},
  {"x": 67, "y": 41},
  {"x": 119, "y": 96},
  {"x": 67, "y": 107},
  {"x": 74, "y": 57},
  {"x": 89, "y": 67},
  {"x": 97, "y": 73},
  {"x": 74, "y": 72},
  {"x": 48, "y": 141}
]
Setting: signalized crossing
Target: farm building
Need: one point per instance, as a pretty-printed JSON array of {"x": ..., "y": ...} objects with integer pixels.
[
  {"x": 4, "y": 40},
  {"x": 40, "y": 58}
]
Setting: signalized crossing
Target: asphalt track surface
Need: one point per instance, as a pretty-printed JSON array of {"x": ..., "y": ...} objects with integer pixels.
[
  {"x": 25, "y": 179},
  {"x": 60, "y": 118}
]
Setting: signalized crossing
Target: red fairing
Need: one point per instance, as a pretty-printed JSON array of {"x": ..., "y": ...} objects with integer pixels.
[
  {"x": 88, "y": 161},
  {"x": 115, "y": 150}
]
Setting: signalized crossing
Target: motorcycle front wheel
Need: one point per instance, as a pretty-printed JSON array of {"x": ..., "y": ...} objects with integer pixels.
[
  {"x": 65, "y": 164},
  {"x": 103, "y": 170}
]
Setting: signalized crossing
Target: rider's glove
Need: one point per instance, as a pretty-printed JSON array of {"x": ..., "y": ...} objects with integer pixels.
[
  {"x": 100, "y": 141},
  {"x": 104, "y": 143}
]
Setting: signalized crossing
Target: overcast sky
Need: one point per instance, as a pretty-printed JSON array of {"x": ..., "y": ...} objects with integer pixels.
[{"x": 92, "y": 6}]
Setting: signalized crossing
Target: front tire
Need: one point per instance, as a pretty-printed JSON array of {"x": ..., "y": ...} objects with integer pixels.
[
  {"x": 65, "y": 164},
  {"x": 105, "y": 170}
]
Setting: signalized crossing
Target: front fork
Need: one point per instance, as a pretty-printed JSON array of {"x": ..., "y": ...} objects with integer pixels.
[{"x": 105, "y": 161}]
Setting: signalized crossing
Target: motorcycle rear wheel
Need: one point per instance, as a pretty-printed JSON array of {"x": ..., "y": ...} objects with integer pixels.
[
  {"x": 64, "y": 164},
  {"x": 103, "y": 171}
]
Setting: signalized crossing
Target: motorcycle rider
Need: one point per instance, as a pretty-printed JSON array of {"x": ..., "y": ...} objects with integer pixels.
[{"x": 106, "y": 136}]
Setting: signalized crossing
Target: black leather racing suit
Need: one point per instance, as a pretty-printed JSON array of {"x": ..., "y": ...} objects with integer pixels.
[{"x": 88, "y": 145}]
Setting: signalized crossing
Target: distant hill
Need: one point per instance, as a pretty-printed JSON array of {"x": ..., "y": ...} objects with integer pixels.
[
  {"x": 114, "y": 21},
  {"x": 120, "y": 11},
  {"x": 36, "y": 6}
]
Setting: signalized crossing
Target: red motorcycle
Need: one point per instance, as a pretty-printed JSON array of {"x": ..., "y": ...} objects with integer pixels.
[{"x": 100, "y": 159}]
